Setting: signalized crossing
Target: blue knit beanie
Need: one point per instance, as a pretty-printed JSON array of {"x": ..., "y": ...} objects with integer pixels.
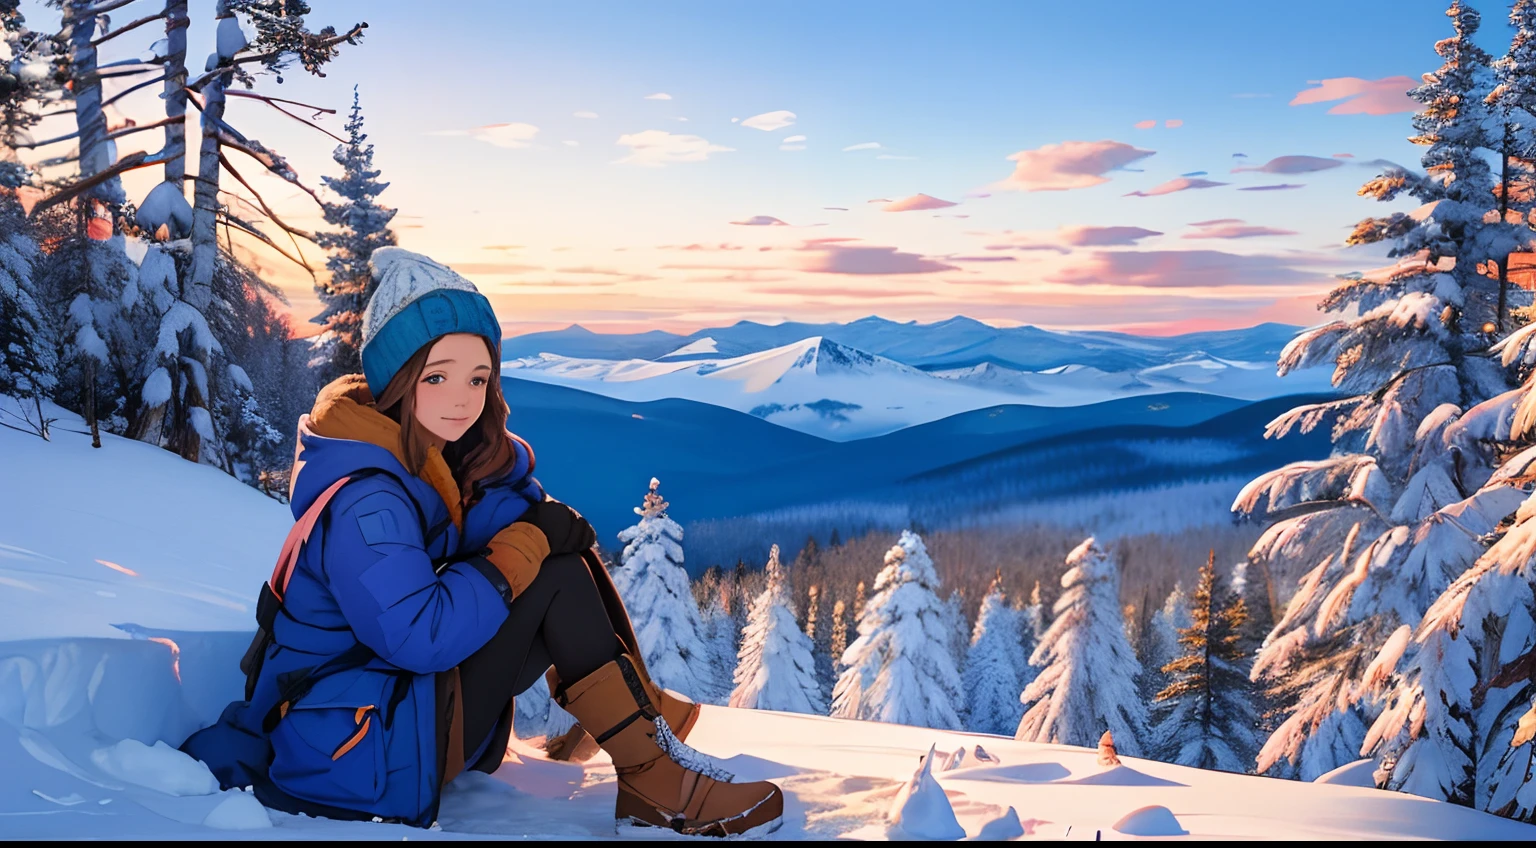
[{"x": 416, "y": 301}]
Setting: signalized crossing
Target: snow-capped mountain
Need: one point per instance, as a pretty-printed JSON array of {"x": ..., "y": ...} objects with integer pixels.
[
  {"x": 953, "y": 343},
  {"x": 814, "y": 385},
  {"x": 829, "y": 389}
]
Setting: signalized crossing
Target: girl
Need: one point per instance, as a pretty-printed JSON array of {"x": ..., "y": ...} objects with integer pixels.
[{"x": 437, "y": 582}]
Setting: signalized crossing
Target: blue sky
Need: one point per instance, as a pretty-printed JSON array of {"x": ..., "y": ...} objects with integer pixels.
[{"x": 473, "y": 107}]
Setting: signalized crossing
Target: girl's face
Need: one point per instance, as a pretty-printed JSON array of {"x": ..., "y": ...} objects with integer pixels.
[{"x": 450, "y": 394}]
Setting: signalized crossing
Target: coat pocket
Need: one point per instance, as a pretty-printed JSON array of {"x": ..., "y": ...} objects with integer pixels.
[{"x": 329, "y": 746}]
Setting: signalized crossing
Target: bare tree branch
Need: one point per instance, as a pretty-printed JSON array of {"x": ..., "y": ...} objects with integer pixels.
[
  {"x": 230, "y": 220},
  {"x": 152, "y": 125},
  {"x": 265, "y": 157},
  {"x": 126, "y": 27},
  {"x": 133, "y": 161},
  {"x": 269, "y": 102},
  {"x": 267, "y": 210},
  {"x": 131, "y": 89}
]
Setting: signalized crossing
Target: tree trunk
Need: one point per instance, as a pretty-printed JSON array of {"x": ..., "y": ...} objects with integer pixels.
[
  {"x": 1503, "y": 215},
  {"x": 176, "y": 22},
  {"x": 205, "y": 206}
]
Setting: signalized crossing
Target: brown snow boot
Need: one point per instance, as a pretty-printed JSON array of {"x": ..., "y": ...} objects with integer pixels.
[
  {"x": 577, "y": 745},
  {"x": 662, "y": 782}
]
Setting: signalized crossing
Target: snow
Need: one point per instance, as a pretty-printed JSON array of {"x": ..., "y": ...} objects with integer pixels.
[
  {"x": 921, "y": 809},
  {"x": 166, "y": 206},
  {"x": 1152, "y": 820},
  {"x": 1358, "y": 773},
  {"x": 159, "y": 767},
  {"x": 71, "y": 685}
]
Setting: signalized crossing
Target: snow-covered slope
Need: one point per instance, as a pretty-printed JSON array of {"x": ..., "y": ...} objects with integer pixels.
[
  {"x": 90, "y": 715},
  {"x": 814, "y": 385},
  {"x": 827, "y": 389}
]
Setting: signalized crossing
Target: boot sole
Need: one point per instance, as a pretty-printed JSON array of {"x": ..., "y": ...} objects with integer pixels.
[
  {"x": 633, "y": 828},
  {"x": 634, "y": 811}
]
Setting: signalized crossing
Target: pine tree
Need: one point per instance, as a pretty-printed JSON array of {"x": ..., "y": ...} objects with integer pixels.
[
  {"x": 819, "y": 629},
  {"x": 1087, "y": 682},
  {"x": 362, "y": 227},
  {"x": 1206, "y": 715},
  {"x": 900, "y": 668},
  {"x": 1513, "y": 101},
  {"x": 991, "y": 676},
  {"x": 1032, "y": 626},
  {"x": 838, "y": 644},
  {"x": 720, "y": 632},
  {"x": 655, "y": 589},
  {"x": 1458, "y": 724},
  {"x": 1161, "y": 643},
  {"x": 1383, "y": 525},
  {"x": 775, "y": 670}
]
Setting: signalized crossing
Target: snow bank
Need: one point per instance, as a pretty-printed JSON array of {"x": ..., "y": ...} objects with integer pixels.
[
  {"x": 921, "y": 809},
  {"x": 1152, "y": 820},
  {"x": 159, "y": 767}
]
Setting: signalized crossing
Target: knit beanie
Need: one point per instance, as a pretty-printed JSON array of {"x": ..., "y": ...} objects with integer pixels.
[{"x": 415, "y": 301}]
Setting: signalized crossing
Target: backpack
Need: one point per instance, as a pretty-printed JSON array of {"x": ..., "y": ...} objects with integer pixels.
[{"x": 295, "y": 685}]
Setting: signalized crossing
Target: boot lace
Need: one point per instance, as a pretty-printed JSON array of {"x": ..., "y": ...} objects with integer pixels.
[{"x": 687, "y": 757}]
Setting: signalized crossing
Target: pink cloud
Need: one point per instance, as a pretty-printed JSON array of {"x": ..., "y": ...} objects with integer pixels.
[
  {"x": 1104, "y": 236},
  {"x": 761, "y": 221},
  {"x": 981, "y": 258},
  {"x": 1177, "y": 184},
  {"x": 1235, "y": 230},
  {"x": 1293, "y": 165},
  {"x": 822, "y": 291},
  {"x": 1361, "y": 96},
  {"x": 1145, "y": 125},
  {"x": 1173, "y": 123},
  {"x": 917, "y": 202},
  {"x": 1214, "y": 221},
  {"x": 1276, "y": 187},
  {"x": 1069, "y": 165},
  {"x": 831, "y": 258},
  {"x": 1181, "y": 269}
]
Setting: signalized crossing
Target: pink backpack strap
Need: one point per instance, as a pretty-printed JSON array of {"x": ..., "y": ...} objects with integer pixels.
[{"x": 297, "y": 536}]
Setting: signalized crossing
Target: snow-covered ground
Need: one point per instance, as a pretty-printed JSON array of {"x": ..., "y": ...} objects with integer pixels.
[
  {"x": 89, "y": 713},
  {"x": 828, "y": 389}
]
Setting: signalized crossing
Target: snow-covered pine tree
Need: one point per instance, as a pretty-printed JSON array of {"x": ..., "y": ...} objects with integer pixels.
[
  {"x": 954, "y": 613},
  {"x": 1391, "y": 518},
  {"x": 991, "y": 675},
  {"x": 720, "y": 632},
  {"x": 28, "y": 359},
  {"x": 1206, "y": 716},
  {"x": 775, "y": 669},
  {"x": 362, "y": 227},
  {"x": 1087, "y": 681},
  {"x": 819, "y": 628},
  {"x": 1513, "y": 102},
  {"x": 655, "y": 589},
  {"x": 839, "y": 640},
  {"x": 1457, "y": 725},
  {"x": 1161, "y": 643},
  {"x": 900, "y": 668},
  {"x": 1032, "y": 626}
]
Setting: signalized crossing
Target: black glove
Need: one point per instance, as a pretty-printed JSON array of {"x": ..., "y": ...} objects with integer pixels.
[{"x": 564, "y": 528}]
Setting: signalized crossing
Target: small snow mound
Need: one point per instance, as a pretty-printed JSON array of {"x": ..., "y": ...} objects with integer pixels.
[
  {"x": 162, "y": 768},
  {"x": 983, "y": 755},
  {"x": 238, "y": 811},
  {"x": 954, "y": 760},
  {"x": 921, "y": 808},
  {"x": 1005, "y": 826},
  {"x": 1358, "y": 773},
  {"x": 1152, "y": 820}
]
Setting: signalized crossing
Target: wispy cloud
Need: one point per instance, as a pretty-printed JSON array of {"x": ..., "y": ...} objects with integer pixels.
[
  {"x": 1181, "y": 269},
  {"x": 511, "y": 136},
  {"x": 660, "y": 95},
  {"x": 1145, "y": 125},
  {"x": 761, "y": 221},
  {"x": 584, "y": 114},
  {"x": 917, "y": 202},
  {"x": 1103, "y": 236},
  {"x": 1174, "y": 185},
  {"x": 770, "y": 121},
  {"x": 1292, "y": 165},
  {"x": 1232, "y": 228},
  {"x": 1069, "y": 165},
  {"x": 868, "y": 145},
  {"x": 794, "y": 139},
  {"x": 829, "y": 258},
  {"x": 1361, "y": 96},
  {"x": 1276, "y": 187},
  {"x": 657, "y": 148}
]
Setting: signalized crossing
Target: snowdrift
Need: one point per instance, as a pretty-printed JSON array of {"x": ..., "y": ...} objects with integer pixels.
[{"x": 102, "y": 673}]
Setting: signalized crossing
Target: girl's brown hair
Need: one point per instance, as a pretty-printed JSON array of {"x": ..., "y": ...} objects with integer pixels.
[{"x": 482, "y": 453}]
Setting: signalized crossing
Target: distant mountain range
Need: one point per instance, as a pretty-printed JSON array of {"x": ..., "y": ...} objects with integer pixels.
[{"x": 873, "y": 376}]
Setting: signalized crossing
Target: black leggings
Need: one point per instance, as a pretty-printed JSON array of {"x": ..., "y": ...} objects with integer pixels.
[{"x": 558, "y": 620}]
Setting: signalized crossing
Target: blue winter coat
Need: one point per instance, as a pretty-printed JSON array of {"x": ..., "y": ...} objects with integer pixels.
[{"x": 364, "y": 739}]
